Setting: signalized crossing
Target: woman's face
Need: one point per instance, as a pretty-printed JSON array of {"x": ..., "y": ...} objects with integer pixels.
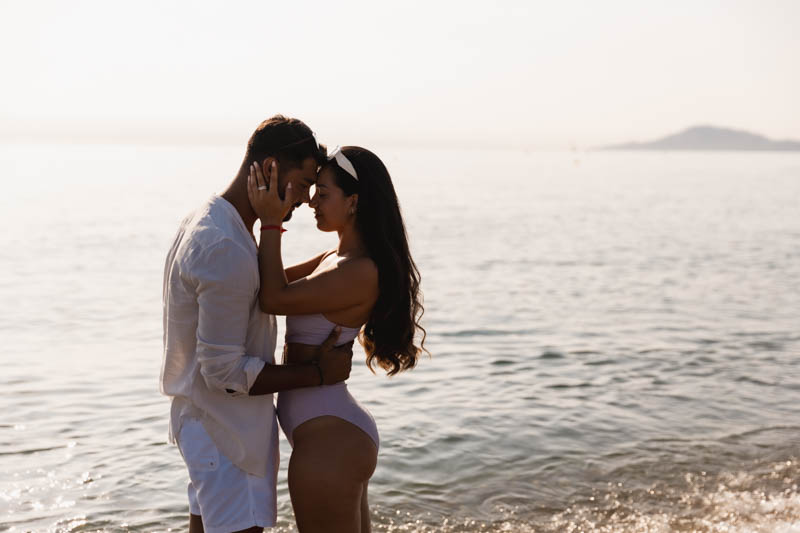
[{"x": 332, "y": 208}]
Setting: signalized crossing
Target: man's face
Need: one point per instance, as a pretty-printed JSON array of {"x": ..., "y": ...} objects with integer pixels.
[{"x": 302, "y": 179}]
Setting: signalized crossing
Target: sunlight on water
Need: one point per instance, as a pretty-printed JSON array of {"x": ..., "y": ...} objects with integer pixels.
[
  {"x": 737, "y": 503},
  {"x": 614, "y": 342}
]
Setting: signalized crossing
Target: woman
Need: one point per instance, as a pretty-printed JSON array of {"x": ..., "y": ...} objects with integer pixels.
[{"x": 368, "y": 287}]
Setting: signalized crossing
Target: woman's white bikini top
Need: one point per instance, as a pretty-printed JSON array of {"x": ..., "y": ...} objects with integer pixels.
[{"x": 314, "y": 329}]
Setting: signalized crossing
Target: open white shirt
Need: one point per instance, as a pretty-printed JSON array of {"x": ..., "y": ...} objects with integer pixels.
[{"x": 216, "y": 339}]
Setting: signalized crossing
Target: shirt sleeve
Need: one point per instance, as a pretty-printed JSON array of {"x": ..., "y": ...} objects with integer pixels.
[{"x": 227, "y": 288}]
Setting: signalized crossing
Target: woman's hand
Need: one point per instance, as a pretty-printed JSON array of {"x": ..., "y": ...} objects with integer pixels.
[{"x": 263, "y": 194}]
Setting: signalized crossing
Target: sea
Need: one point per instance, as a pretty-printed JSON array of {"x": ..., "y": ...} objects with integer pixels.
[{"x": 614, "y": 340}]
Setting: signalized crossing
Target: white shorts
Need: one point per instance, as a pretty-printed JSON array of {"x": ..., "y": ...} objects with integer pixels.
[{"x": 225, "y": 496}]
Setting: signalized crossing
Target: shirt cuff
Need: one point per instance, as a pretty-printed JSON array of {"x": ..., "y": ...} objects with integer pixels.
[{"x": 252, "y": 369}]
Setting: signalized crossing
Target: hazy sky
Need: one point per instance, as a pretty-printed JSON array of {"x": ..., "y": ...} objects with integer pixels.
[{"x": 539, "y": 74}]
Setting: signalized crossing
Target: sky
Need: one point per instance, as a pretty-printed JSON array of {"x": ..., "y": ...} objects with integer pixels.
[{"x": 446, "y": 73}]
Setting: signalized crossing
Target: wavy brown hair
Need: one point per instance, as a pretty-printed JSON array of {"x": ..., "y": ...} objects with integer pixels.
[{"x": 388, "y": 335}]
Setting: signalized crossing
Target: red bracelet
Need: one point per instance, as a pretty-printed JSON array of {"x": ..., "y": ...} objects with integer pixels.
[{"x": 273, "y": 227}]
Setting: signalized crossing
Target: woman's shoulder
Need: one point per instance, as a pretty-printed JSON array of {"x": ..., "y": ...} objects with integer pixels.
[
  {"x": 327, "y": 255},
  {"x": 363, "y": 263},
  {"x": 359, "y": 268}
]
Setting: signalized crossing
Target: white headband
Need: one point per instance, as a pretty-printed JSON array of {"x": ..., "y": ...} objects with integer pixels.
[{"x": 343, "y": 162}]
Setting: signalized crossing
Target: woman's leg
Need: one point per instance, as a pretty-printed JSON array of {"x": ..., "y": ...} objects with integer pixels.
[
  {"x": 366, "y": 523},
  {"x": 332, "y": 461}
]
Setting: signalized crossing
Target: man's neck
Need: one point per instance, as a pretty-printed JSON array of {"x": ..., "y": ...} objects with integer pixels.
[{"x": 236, "y": 195}]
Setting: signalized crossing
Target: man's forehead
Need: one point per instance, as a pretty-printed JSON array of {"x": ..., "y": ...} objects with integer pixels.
[
  {"x": 310, "y": 169},
  {"x": 309, "y": 163}
]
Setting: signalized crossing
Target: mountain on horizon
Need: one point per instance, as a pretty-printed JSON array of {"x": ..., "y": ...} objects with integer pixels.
[{"x": 710, "y": 138}]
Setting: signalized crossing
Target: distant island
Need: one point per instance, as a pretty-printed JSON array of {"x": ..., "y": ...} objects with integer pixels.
[{"x": 710, "y": 138}]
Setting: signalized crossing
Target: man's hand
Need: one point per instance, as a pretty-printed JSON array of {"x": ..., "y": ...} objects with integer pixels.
[
  {"x": 335, "y": 362},
  {"x": 262, "y": 190}
]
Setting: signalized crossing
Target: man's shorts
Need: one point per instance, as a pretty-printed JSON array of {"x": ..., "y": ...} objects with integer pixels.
[{"x": 227, "y": 497}]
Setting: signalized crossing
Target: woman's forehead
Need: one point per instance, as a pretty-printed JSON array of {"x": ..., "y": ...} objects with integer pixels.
[{"x": 325, "y": 177}]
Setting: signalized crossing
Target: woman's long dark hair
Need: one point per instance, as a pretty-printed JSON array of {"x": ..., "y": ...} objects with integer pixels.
[{"x": 388, "y": 335}]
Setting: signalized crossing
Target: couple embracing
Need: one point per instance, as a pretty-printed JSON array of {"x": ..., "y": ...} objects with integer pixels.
[{"x": 221, "y": 293}]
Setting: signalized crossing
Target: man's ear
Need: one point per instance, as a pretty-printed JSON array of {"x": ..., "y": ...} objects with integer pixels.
[{"x": 266, "y": 163}]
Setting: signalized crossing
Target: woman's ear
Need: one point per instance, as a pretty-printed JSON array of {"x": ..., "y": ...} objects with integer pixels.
[{"x": 353, "y": 200}]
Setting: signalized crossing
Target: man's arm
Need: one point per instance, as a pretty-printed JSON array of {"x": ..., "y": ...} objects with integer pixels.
[
  {"x": 278, "y": 378},
  {"x": 332, "y": 366},
  {"x": 225, "y": 284}
]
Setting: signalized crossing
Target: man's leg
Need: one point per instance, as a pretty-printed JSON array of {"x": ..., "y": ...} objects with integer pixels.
[
  {"x": 228, "y": 499},
  {"x": 195, "y": 524}
]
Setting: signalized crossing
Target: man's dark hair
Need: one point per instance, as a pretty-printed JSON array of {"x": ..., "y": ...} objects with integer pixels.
[{"x": 287, "y": 139}]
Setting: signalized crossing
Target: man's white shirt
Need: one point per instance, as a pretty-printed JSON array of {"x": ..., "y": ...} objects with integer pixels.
[{"x": 216, "y": 339}]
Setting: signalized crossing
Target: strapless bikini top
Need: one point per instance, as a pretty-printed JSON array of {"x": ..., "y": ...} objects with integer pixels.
[{"x": 314, "y": 329}]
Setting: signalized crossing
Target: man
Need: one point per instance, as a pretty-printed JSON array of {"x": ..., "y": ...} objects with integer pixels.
[{"x": 219, "y": 347}]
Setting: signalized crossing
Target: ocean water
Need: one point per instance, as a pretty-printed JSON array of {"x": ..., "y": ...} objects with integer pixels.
[{"x": 615, "y": 341}]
